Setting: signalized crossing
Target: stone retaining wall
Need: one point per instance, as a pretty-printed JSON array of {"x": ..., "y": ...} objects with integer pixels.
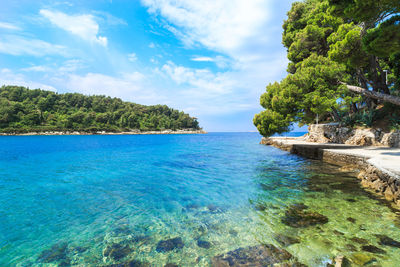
[
  {"x": 334, "y": 133},
  {"x": 381, "y": 182}
]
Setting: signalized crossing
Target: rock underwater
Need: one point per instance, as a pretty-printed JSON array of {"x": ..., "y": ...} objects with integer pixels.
[
  {"x": 255, "y": 256},
  {"x": 170, "y": 244},
  {"x": 296, "y": 216}
]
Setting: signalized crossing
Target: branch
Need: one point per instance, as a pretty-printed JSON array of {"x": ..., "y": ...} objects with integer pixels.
[{"x": 376, "y": 95}]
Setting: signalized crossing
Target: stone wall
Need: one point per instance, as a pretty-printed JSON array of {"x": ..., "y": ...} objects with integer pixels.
[
  {"x": 333, "y": 133},
  {"x": 381, "y": 182}
]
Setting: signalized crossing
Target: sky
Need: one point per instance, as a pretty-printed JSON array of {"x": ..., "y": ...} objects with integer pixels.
[{"x": 210, "y": 58}]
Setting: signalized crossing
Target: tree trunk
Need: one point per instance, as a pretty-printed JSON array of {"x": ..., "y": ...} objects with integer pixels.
[
  {"x": 375, "y": 95},
  {"x": 354, "y": 108},
  {"x": 335, "y": 114}
]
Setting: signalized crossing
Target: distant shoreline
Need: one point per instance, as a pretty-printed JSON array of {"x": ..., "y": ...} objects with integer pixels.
[{"x": 106, "y": 133}]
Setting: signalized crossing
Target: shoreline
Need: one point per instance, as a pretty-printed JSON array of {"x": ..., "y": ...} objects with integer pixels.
[
  {"x": 378, "y": 168},
  {"x": 105, "y": 133}
]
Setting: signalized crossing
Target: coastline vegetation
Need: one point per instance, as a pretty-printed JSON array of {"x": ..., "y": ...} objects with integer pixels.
[
  {"x": 344, "y": 67},
  {"x": 23, "y": 110}
]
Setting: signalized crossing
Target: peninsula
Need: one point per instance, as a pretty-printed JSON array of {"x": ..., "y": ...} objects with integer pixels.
[{"x": 33, "y": 112}]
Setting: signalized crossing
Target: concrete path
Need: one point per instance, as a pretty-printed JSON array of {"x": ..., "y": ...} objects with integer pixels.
[{"x": 385, "y": 158}]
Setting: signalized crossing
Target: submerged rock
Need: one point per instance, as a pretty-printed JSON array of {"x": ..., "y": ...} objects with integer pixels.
[
  {"x": 203, "y": 244},
  {"x": 79, "y": 249},
  {"x": 352, "y": 220},
  {"x": 260, "y": 207},
  {"x": 359, "y": 240},
  {"x": 387, "y": 241},
  {"x": 297, "y": 216},
  {"x": 233, "y": 232},
  {"x": 192, "y": 207},
  {"x": 214, "y": 209},
  {"x": 132, "y": 263},
  {"x": 117, "y": 251},
  {"x": 122, "y": 230},
  {"x": 373, "y": 249},
  {"x": 170, "y": 244},
  {"x": 285, "y": 240},
  {"x": 141, "y": 239},
  {"x": 171, "y": 265},
  {"x": 361, "y": 259},
  {"x": 338, "y": 233},
  {"x": 351, "y": 247},
  {"x": 300, "y": 206},
  {"x": 267, "y": 187},
  {"x": 255, "y": 256},
  {"x": 57, "y": 252}
]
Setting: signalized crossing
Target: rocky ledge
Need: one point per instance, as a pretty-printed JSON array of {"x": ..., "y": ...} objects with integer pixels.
[
  {"x": 334, "y": 133},
  {"x": 378, "y": 167}
]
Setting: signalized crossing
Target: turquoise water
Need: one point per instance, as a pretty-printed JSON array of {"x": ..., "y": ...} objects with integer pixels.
[{"x": 66, "y": 200}]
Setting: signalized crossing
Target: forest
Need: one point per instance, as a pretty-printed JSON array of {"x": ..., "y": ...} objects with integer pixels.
[
  {"x": 24, "y": 110},
  {"x": 344, "y": 67}
]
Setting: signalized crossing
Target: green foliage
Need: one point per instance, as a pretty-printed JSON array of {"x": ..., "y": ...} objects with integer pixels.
[
  {"x": 384, "y": 40},
  {"x": 345, "y": 46},
  {"x": 269, "y": 122},
  {"x": 24, "y": 110},
  {"x": 394, "y": 121},
  {"x": 366, "y": 118},
  {"x": 331, "y": 42}
]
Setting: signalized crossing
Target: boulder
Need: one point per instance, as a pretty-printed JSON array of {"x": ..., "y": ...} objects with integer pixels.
[
  {"x": 391, "y": 139},
  {"x": 170, "y": 244},
  {"x": 57, "y": 252},
  {"x": 334, "y": 133},
  {"x": 297, "y": 216},
  {"x": 387, "y": 241},
  {"x": 203, "y": 244},
  {"x": 373, "y": 249},
  {"x": 131, "y": 263},
  {"x": 117, "y": 251},
  {"x": 255, "y": 256}
]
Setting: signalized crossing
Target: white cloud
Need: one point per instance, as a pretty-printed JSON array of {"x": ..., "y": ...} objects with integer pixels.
[
  {"x": 18, "y": 45},
  {"x": 222, "y": 25},
  {"x": 70, "y": 66},
  {"x": 7, "y": 77},
  {"x": 109, "y": 19},
  {"x": 132, "y": 57},
  {"x": 124, "y": 86},
  {"x": 220, "y": 61},
  {"x": 9, "y": 26},
  {"x": 67, "y": 66},
  {"x": 202, "y": 59},
  {"x": 152, "y": 45},
  {"x": 83, "y": 26},
  {"x": 200, "y": 79},
  {"x": 245, "y": 34},
  {"x": 39, "y": 68}
]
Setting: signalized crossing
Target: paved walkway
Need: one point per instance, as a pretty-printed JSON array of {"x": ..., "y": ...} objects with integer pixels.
[{"x": 384, "y": 158}]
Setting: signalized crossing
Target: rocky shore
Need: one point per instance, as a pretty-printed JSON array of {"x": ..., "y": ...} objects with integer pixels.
[
  {"x": 134, "y": 132},
  {"x": 334, "y": 133},
  {"x": 378, "y": 167}
]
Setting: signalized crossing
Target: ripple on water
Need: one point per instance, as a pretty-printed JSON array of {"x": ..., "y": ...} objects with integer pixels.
[{"x": 183, "y": 201}]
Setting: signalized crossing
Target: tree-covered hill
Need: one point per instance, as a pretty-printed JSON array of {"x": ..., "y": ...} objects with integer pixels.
[
  {"x": 344, "y": 66},
  {"x": 24, "y": 110}
]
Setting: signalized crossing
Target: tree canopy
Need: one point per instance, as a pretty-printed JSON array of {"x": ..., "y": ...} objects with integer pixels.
[
  {"x": 344, "y": 60},
  {"x": 25, "y": 110}
]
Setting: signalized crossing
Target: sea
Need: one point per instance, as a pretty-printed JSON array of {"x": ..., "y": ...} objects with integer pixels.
[{"x": 182, "y": 200}]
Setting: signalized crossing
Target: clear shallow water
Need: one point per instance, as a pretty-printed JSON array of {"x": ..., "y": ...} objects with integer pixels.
[{"x": 78, "y": 195}]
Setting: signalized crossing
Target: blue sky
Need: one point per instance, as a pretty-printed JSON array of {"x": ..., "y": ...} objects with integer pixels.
[{"x": 210, "y": 58}]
